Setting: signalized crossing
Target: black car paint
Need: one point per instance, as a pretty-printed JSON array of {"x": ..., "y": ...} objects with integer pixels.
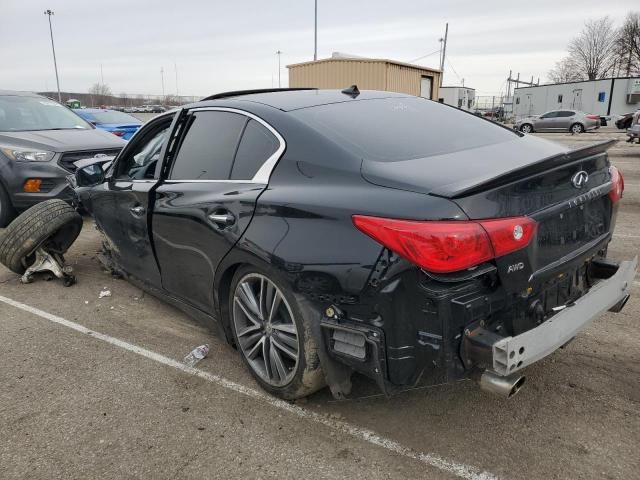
[{"x": 300, "y": 226}]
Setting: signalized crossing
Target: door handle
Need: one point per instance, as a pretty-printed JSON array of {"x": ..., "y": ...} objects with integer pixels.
[
  {"x": 223, "y": 219},
  {"x": 137, "y": 211}
]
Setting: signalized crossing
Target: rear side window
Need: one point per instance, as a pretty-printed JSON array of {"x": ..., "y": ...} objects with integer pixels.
[
  {"x": 393, "y": 129},
  {"x": 208, "y": 147},
  {"x": 565, "y": 113},
  {"x": 256, "y": 146}
]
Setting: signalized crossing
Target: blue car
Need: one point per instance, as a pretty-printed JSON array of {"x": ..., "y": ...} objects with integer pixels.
[{"x": 120, "y": 124}]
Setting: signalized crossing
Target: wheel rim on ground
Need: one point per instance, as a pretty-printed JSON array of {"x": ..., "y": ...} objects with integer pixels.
[
  {"x": 266, "y": 331},
  {"x": 526, "y": 129},
  {"x": 577, "y": 129}
]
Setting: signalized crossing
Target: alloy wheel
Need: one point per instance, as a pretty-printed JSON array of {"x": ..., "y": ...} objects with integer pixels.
[
  {"x": 265, "y": 329},
  {"x": 526, "y": 128}
]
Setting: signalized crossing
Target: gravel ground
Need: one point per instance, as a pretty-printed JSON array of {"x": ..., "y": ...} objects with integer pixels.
[{"x": 73, "y": 406}]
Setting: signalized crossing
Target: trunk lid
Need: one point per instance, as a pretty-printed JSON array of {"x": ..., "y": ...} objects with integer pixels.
[{"x": 506, "y": 180}]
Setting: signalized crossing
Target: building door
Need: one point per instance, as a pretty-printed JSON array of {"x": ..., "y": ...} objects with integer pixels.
[
  {"x": 577, "y": 99},
  {"x": 426, "y": 86},
  {"x": 528, "y": 105}
]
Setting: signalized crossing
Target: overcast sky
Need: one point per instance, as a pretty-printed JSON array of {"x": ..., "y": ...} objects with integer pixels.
[{"x": 220, "y": 45}]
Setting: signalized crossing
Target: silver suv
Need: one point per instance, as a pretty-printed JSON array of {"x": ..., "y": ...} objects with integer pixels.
[
  {"x": 40, "y": 140},
  {"x": 573, "y": 121}
]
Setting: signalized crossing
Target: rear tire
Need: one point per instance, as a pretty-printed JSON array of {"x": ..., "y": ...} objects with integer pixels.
[
  {"x": 279, "y": 334},
  {"x": 526, "y": 128},
  {"x": 576, "y": 128},
  {"x": 7, "y": 212},
  {"x": 52, "y": 224}
]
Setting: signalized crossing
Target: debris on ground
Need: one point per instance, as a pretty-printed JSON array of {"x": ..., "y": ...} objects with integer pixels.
[
  {"x": 104, "y": 293},
  {"x": 196, "y": 355}
]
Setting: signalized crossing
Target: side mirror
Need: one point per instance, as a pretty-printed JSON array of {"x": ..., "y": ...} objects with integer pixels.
[{"x": 90, "y": 175}]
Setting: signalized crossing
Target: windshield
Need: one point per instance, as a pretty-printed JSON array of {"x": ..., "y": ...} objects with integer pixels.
[
  {"x": 23, "y": 114},
  {"x": 402, "y": 128},
  {"x": 110, "y": 116}
]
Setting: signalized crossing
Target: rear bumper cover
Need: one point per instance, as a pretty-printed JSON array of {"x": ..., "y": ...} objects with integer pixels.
[{"x": 511, "y": 354}]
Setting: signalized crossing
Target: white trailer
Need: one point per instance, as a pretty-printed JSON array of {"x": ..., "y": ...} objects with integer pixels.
[
  {"x": 609, "y": 97},
  {"x": 460, "y": 97}
]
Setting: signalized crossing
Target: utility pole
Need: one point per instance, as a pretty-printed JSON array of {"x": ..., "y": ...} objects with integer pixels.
[
  {"x": 162, "y": 76},
  {"x": 279, "y": 53},
  {"x": 53, "y": 48},
  {"x": 444, "y": 52},
  {"x": 315, "y": 32},
  {"x": 101, "y": 75}
]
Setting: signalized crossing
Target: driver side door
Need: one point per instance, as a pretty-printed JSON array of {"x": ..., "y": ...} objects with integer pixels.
[{"x": 123, "y": 214}]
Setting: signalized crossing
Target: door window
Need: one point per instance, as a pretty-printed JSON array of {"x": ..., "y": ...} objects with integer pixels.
[
  {"x": 565, "y": 113},
  {"x": 549, "y": 115},
  {"x": 208, "y": 147},
  {"x": 256, "y": 146},
  {"x": 140, "y": 162}
]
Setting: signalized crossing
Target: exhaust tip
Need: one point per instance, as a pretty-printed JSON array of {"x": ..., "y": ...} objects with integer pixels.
[{"x": 505, "y": 387}]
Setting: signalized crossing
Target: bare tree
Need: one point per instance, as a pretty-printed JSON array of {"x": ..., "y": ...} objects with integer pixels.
[
  {"x": 565, "y": 70},
  {"x": 99, "y": 93},
  {"x": 593, "y": 50},
  {"x": 628, "y": 45}
]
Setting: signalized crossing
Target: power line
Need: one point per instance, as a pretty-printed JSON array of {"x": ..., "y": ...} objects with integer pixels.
[
  {"x": 424, "y": 56},
  {"x": 453, "y": 69}
]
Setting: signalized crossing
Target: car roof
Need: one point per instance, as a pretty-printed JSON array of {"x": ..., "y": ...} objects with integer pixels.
[
  {"x": 297, "y": 99},
  {"x": 19, "y": 93}
]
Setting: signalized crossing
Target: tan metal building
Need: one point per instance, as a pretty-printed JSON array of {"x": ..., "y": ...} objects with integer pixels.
[{"x": 367, "y": 74}]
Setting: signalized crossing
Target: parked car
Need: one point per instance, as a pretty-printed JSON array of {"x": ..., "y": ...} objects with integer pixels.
[
  {"x": 39, "y": 141},
  {"x": 327, "y": 232},
  {"x": 625, "y": 121},
  {"x": 573, "y": 121},
  {"x": 120, "y": 124}
]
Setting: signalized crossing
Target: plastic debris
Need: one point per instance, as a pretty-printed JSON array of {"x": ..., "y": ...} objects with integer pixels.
[
  {"x": 104, "y": 293},
  {"x": 196, "y": 355}
]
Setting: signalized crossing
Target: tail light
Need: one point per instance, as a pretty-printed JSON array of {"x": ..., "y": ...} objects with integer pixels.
[
  {"x": 443, "y": 247},
  {"x": 593, "y": 117},
  {"x": 118, "y": 133},
  {"x": 615, "y": 194}
]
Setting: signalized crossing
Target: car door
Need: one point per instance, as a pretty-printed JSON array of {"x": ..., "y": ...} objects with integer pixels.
[
  {"x": 565, "y": 119},
  {"x": 124, "y": 217},
  {"x": 546, "y": 121},
  {"x": 222, "y": 164}
]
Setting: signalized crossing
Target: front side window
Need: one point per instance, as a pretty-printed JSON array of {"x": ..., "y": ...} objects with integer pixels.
[
  {"x": 208, "y": 147},
  {"x": 256, "y": 146},
  {"x": 140, "y": 162},
  {"x": 25, "y": 114},
  {"x": 550, "y": 115}
]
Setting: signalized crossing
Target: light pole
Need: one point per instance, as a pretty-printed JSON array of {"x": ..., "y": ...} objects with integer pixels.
[
  {"x": 279, "y": 53},
  {"x": 162, "y": 76},
  {"x": 315, "y": 32},
  {"x": 53, "y": 48}
]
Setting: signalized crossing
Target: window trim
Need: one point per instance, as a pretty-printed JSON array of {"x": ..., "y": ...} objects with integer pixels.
[{"x": 264, "y": 172}]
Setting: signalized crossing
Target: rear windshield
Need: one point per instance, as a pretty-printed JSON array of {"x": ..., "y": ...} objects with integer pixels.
[
  {"x": 393, "y": 129},
  {"x": 20, "y": 114},
  {"x": 110, "y": 116}
]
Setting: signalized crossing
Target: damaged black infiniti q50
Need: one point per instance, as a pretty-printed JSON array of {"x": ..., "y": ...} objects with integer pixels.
[{"x": 332, "y": 232}]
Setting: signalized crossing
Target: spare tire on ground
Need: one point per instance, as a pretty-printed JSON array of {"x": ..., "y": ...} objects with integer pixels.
[{"x": 53, "y": 225}]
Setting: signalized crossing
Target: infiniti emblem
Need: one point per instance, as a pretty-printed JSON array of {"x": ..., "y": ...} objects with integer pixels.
[{"x": 580, "y": 179}]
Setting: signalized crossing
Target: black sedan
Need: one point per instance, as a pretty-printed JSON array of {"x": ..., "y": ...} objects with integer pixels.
[{"x": 331, "y": 232}]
